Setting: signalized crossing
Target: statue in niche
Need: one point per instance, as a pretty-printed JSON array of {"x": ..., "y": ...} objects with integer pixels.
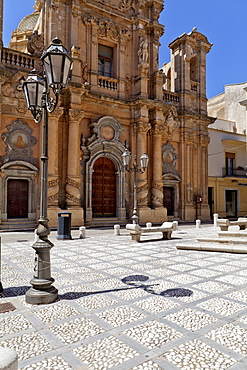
[{"x": 143, "y": 51}]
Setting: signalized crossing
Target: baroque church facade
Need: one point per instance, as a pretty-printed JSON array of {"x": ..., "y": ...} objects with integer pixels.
[{"x": 117, "y": 98}]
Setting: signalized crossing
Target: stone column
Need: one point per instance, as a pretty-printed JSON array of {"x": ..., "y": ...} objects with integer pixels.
[
  {"x": 73, "y": 166},
  {"x": 157, "y": 184},
  {"x": 141, "y": 129}
]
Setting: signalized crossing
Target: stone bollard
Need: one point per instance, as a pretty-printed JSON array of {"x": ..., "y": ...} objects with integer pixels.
[
  {"x": 198, "y": 224},
  {"x": 82, "y": 232},
  {"x": 8, "y": 359},
  {"x": 116, "y": 229},
  {"x": 175, "y": 223},
  {"x": 149, "y": 224},
  {"x": 216, "y": 216}
]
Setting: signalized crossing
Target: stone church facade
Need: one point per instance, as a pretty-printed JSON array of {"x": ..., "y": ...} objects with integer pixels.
[{"x": 117, "y": 98}]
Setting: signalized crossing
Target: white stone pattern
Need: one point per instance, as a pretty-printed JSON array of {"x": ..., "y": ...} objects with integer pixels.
[
  {"x": 94, "y": 302},
  {"x": 153, "y": 334},
  {"x": 196, "y": 355},
  {"x": 231, "y": 336},
  {"x": 156, "y": 304},
  {"x": 76, "y": 330},
  {"x": 13, "y": 324},
  {"x": 55, "y": 312},
  {"x": 53, "y": 363},
  {"x": 120, "y": 316},
  {"x": 222, "y": 306},
  {"x": 191, "y": 319},
  {"x": 28, "y": 345},
  {"x": 105, "y": 353}
]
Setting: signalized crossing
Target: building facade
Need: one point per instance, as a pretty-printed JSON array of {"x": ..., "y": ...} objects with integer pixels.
[
  {"x": 117, "y": 98},
  {"x": 227, "y": 152}
]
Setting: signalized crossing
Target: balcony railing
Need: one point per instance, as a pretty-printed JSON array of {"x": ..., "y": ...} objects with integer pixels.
[
  {"x": 107, "y": 83},
  {"x": 12, "y": 58},
  {"x": 233, "y": 172},
  {"x": 170, "y": 97}
]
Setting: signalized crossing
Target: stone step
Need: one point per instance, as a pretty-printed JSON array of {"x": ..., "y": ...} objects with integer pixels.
[
  {"x": 104, "y": 222},
  {"x": 17, "y": 224},
  {"x": 223, "y": 240},
  {"x": 213, "y": 247},
  {"x": 233, "y": 234}
]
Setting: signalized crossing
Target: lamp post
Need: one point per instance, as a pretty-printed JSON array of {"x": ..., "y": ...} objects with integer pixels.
[
  {"x": 144, "y": 164},
  {"x": 56, "y": 67}
]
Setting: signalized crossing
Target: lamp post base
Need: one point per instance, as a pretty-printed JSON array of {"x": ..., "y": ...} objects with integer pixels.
[{"x": 35, "y": 296}]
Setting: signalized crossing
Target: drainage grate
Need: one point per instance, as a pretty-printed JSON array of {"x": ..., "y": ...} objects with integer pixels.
[{"x": 6, "y": 307}]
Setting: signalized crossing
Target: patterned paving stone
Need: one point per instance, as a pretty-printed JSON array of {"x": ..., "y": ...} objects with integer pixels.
[
  {"x": 95, "y": 302},
  {"x": 222, "y": 306},
  {"x": 231, "y": 336},
  {"x": 130, "y": 293},
  {"x": 153, "y": 334},
  {"x": 76, "y": 330},
  {"x": 28, "y": 345},
  {"x": 120, "y": 316},
  {"x": 198, "y": 355},
  {"x": 211, "y": 286},
  {"x": 148, "y": 365},
  {"x": 238, "y": 295},
  {"x": 55, "y": 312},
  {"x": 56, "y": 362},
  {"x": 156, "y": 304},
  {"x": 105, "y": 353},
  {"x": 191, "y": 319},
  {"x": 13, "y": 324},
  {"x": 232, "y": 279}
]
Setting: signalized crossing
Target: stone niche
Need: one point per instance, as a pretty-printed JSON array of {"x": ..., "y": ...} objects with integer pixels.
[{"x": 19, "y": 143}]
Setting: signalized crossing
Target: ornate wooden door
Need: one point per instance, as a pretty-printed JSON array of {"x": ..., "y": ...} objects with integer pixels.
[
  {"x": 104, "y": 188},
  {"x": 168, "y": 200},
  {"x": 17, "y": 199}
]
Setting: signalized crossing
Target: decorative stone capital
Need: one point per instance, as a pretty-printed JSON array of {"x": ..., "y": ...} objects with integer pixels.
[
  {"x": 142, "y": 127},
  {"x": 158, "y": 129},
  {"x": 76, "y": 115}
]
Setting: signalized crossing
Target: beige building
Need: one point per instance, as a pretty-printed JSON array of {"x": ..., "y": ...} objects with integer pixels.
[
  {"x": 117, "y": 98},
  {"x": 228, "y": 153}
]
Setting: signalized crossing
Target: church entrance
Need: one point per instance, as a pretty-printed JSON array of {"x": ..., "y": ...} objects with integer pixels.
[
  {"x": 17, "y": 199},
  {"x": 168, "y": 200},
  {"x": 104, "y": 188}
]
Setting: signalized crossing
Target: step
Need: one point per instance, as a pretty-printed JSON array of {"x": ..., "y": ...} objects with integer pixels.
[
  {"x": 234, "y": 234},
  {"x": 223, "y": 240},
  {"x": 103, "y": 222},
  {"x": 17, "y": 224},
  {"x": 213, "y": 247}
]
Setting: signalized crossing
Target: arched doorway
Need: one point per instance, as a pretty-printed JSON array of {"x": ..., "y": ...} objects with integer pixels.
[
  {"x": 104, "y": 188},
  {"x": 17, "y": 199}
]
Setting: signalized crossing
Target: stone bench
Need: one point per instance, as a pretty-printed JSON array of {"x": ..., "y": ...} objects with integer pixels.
[
  {"x": 166, "y": 229},
  {"x": 224, "y": 223}
]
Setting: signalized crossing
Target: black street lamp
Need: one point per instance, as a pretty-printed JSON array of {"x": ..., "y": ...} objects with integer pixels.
[
  {"x": 57, "y": 65},
  {"x": 144, "y": 159}
]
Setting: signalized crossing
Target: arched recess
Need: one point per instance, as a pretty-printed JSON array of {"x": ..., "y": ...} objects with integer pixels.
[
  {"x": 104, "y": 188},
  {"x": 116, "y": 159},
  {"x": 104, "y": 143},
  {"x": 20, "y": 175},
  {"x": 171, "y": 187}
]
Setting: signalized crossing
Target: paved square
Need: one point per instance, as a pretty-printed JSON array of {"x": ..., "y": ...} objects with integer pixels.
[{"x": 124, "y": 305}]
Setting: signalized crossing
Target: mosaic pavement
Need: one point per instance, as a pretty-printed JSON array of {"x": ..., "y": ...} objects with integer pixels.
[{"x": 124, "y": 305}]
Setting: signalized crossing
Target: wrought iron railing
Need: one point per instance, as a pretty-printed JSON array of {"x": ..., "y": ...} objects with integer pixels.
[{"x": 233, "y": 172}]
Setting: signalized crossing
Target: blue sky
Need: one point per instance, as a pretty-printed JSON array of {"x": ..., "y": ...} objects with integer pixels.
[{"x": 222, "y": 21}]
